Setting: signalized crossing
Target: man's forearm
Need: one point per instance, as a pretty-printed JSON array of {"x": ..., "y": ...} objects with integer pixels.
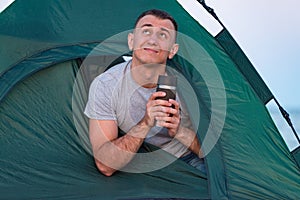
[
  {"x": 115, "y": 154},
  {"x": 189, "y": 138}
]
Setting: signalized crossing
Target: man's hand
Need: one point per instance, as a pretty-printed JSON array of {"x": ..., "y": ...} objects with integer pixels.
[
  {"x": 156, "y": 109},
  {"x": 172, "y": 120},
  {"x": 163, "y": 113}
]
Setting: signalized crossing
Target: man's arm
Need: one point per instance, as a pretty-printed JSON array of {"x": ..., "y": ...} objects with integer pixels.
[
  {"x": 183, "y": 134},
  {"x": 112, "y": 153},
  {"x": 189, "y": 138}
]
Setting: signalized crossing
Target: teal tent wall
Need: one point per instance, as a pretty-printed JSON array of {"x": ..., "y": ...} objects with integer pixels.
[{"x": 42, "y": 153}]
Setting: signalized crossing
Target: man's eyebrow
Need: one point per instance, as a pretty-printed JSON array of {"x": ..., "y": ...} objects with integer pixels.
[
  {"x": 150, "y": 25},
  {"x": 146, "y": 25}
]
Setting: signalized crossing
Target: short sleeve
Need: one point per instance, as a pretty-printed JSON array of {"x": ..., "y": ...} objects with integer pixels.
[{"x": 100, "y": 105}]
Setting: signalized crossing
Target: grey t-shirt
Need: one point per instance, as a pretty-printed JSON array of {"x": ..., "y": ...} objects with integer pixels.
[{"x": 114, "y": 95}]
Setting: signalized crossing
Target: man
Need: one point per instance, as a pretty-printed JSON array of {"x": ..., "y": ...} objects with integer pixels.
[{"x": 125, "y": 97}]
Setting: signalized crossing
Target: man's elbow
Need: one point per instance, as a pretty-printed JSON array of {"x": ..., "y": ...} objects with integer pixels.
[{"x": 106, "y": 171}]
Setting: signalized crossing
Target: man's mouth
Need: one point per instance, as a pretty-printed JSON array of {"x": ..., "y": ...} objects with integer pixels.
[{"x": 151, "y": 50}]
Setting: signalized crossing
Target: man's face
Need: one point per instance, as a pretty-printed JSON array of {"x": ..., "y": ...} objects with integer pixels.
[{"x": 153, "y": 41}]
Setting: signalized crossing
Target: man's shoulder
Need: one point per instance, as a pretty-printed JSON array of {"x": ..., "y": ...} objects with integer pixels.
[
  {"x": 118, "y": 68},
  {"x": 114, "y": 73}
]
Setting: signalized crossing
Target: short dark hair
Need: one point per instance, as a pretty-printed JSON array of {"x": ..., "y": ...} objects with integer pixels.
[{"x": 159, "y": 14}]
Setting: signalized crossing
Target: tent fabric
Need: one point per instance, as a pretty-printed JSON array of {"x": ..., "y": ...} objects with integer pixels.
[
  {"x": 45, "y": 152},
  {"x": 296, "y": 154},
  {"x": 242, "y": 62},
  {"x": 42, "y": 155}
]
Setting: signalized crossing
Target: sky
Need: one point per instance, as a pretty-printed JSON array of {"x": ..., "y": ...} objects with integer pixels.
[{"x": 268, "y": 32}]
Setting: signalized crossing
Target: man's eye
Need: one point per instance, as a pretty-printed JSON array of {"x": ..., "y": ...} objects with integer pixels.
[
  {"x": 163, "y": 35},
  {"x": 146, "y": 32}
]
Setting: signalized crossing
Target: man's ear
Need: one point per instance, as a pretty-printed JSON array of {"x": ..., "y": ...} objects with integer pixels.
[
  {"x": 173, "y": 51},
  {"x": 130, "y": 41}
]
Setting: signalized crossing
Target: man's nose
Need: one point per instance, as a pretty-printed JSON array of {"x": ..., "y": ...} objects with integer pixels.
[{"x": 153, "y": 39}]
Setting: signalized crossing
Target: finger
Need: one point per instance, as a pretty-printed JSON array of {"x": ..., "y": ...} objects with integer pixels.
[
  {"x": 169, "y": 120},
  {"x": 162, "y": 103},
  {"x": 176, "y": 106},
  {"x": 158, "y": 103},
  {"x": 175, "y": 103},
  {"x": 167, "y": 124},
  {"x": 156, "y": 95},
  {"x": 169, "y": 110},
  {"x": 160, "y": 114}
]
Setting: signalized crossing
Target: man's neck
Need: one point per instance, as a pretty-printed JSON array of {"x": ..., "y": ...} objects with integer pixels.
[{"x": 147, "y": 75}]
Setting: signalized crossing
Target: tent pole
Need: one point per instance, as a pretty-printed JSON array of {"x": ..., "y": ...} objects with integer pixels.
[
  {"x": 210, "y": 11},
  {"x": 283, "y": 112},
  {"x": 286, "y": 116}
]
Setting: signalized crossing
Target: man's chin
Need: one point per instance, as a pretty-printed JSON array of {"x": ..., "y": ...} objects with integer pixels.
[
  {"x": 153, "y": 61},
  {"x": 153, "y": 64}
]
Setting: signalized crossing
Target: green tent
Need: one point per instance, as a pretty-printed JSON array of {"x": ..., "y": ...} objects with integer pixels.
[{"x": 49, "y": 53}]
